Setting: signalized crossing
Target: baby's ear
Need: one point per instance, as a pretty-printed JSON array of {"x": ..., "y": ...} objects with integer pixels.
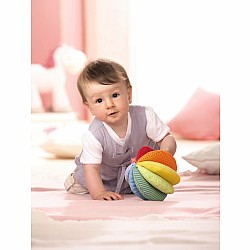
[
  {"x": 129, "y": 91},
  {"x": 86, "y": 105}
]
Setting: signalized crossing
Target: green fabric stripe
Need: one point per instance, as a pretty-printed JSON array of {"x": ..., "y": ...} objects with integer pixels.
[
  {"x": 157, "y": 181},
  {"x": 146, "y": 189}
]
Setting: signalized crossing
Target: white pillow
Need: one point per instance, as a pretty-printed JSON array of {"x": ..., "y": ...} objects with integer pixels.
[
  {"x": 65, "y": 141},
  {"x": 206, "y": 159}
]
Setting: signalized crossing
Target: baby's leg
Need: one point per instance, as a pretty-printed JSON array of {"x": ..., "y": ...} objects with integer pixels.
[{"x": 73, "y": 187}]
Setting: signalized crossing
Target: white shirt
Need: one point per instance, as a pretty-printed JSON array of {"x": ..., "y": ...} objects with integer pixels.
[{"x": 156, "y": 129}]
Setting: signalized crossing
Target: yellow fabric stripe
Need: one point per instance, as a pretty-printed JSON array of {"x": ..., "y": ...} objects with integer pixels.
[{"x": 164, "y": 171}]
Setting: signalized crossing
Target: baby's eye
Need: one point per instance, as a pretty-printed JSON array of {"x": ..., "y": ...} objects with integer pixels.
[
  {"x": 115, "y": 95},
  {"x": 99, "y": 100}
]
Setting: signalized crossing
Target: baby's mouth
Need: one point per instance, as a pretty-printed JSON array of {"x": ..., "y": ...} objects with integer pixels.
[{"x": 113, "y": 113}]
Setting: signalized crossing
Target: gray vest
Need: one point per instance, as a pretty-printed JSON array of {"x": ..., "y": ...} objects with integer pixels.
[{"x": 116, "y": 158}]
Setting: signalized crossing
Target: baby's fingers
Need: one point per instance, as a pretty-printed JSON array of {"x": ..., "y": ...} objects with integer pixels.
[{"x": 112, "y": 196}]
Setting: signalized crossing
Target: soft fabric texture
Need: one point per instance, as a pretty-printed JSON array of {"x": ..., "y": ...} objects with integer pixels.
[
  {"x": 144, "y": 127},
  {"x": 160, "y": 156},
  {"x": 156, "y": 181},
  {"x": 112, "y": 153},
  {"x": 164, "y": 171},
  {"x": 64, "y": 141},
  {"x": 152, "y": 231},
  {"x": 65, "y": 221},
  {"x": 126, "y": 176},
  {"x": 206, "y": 159},
  {"x": 200, "y": 117},
  {"x": 151, "y": 182},
  {"x": 132, "y": 184},
  {"x": 142, "y": 151},
  {"x": 146, "y": 189}
]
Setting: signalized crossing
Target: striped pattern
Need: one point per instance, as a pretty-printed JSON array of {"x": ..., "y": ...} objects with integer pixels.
[
  {"x": 156, "y": 181},
  {"x": 160, "y": 156},
  {"x": 164, "y": 171},
  {"x": 145, "y": 188},
  {"x": 132, "y": 183}
]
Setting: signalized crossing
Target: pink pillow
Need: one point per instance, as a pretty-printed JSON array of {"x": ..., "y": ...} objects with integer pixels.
[{"x": 200, "y": 117}]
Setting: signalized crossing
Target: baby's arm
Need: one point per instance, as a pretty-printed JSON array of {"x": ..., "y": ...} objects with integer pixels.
[
  {"x": 168, "y": 144},
  {"x": 95, "y": 185}
]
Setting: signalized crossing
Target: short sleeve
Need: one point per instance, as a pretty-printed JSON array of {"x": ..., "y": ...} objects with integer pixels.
[
  {"x": 156, "y": 129},
  {"x": 92, "y": 149}
]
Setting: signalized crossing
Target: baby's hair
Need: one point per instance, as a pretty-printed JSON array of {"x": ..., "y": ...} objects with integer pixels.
[{"x": 101, "y": 71}]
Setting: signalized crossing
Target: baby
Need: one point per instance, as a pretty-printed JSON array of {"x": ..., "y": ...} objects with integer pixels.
[{"x": 117, "y": 131}]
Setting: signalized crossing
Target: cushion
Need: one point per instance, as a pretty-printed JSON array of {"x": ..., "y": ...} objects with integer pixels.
[
  {"x": 206, "y": 159},
  {"x": 64, "y": 141},
  {"x": 145, "y": 188},
  {"x": 164, "y": 171},
  {"x": 200, "y": 117},
  {"x": 156, "y": 181}
]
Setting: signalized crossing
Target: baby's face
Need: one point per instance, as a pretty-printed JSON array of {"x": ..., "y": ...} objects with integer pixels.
[{"x": 109, "y": 103}]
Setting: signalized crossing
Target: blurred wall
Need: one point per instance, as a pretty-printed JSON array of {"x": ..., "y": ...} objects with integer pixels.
[
  {"x": 99, "y": 28},
  {"x": 53, "y": 23},
  {"x": 45, "y": 32},
  {"x": 107, "y": 29}
]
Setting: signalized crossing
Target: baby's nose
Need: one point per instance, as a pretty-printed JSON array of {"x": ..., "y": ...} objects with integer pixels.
[{"x": 110, "y": 103}]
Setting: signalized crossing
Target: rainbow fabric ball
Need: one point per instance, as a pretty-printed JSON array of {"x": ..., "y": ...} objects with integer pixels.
[{"x": 153, "y": 175}]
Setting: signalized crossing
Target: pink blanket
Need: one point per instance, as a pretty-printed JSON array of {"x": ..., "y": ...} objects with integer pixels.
[
  {"x": 187, "y": 219},
  {"x": 196, "y": 196}
]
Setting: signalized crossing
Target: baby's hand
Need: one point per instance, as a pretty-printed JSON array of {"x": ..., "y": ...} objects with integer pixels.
[{"x": 108, "y": 196}]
